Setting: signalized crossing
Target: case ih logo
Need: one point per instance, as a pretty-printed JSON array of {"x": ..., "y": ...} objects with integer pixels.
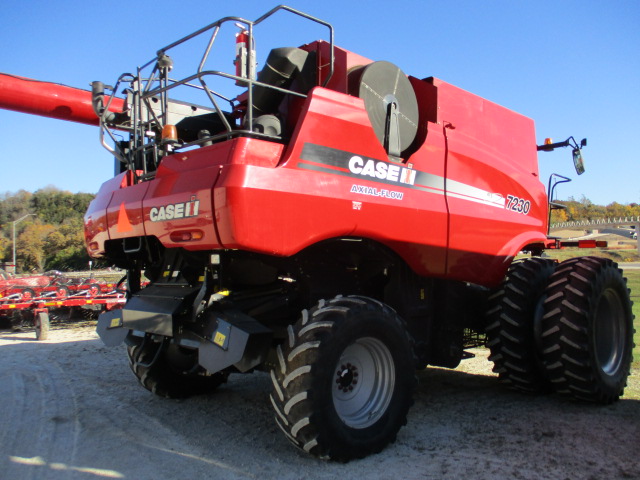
[
  {"x": 381, "y": 170},
  {"x": 175, "y": 211},
  {"x": 338, "y": 162}
]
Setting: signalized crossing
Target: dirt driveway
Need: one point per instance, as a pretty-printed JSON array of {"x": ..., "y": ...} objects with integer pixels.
[{"x": 73, "y": 410}]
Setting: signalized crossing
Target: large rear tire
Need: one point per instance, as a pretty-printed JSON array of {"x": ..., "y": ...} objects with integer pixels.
[
  {"x": 345, "y": 379},
  {"x": 169, "y": 370},
  {"x": 587, "y": 330},
  {"x": 513, "y": 315}
]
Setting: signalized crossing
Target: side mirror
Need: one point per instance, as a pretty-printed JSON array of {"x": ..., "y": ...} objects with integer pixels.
[{"x": 578, "y": 161}]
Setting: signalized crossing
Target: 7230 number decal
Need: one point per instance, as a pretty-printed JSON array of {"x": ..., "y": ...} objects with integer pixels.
[{"x": 517, "y": 204}]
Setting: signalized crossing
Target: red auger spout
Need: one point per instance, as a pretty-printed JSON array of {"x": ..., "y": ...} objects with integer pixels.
[{"x": 47, "y": 99}]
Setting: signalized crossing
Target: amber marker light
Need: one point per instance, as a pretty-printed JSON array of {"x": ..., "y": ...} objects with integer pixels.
[{"x": 169, "y": 134}]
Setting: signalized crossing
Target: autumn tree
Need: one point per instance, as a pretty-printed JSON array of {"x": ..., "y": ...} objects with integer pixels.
[
  {"x": 53, "y": 237},
  {"x": 31, "y": 243},
  {"x": 5, "y": 246},
  {"x": 617, "y": 210},
  {"x": 64, "y": 249},
  {"x": 559, "y": 215}
]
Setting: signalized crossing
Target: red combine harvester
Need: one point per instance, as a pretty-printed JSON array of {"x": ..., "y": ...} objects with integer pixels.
[{"x": 337, "y": 224}]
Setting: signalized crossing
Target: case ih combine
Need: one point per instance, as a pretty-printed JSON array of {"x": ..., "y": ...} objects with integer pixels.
[{"x": 337, "y": 224}]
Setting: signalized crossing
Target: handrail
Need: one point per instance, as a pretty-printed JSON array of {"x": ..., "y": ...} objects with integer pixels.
[{"x": 155, "y": 85}]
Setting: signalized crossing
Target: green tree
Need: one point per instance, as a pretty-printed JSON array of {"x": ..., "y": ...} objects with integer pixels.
[
  {"x": 13, "y": 206},
  {"x": 54, "y": 206},
  {"x": 64, "y": 249}
]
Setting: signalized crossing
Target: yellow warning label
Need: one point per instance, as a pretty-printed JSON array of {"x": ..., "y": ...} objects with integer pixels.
[
  {"x": 219, "y": 339},
  {"x": 115, "y": 322}
]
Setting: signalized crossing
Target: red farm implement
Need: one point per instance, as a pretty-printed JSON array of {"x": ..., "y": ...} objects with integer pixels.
[
  {"x": 51, "y": 285},
  {"x": 31, "y": 299}
]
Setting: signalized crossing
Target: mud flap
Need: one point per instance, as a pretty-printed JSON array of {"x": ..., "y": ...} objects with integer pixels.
[
  {"x": 110, "y": 329},
  {"x": 238, "y": 340}
]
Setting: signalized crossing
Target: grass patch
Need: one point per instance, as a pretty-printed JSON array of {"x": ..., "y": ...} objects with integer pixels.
[{"x": 633, "y": 282}]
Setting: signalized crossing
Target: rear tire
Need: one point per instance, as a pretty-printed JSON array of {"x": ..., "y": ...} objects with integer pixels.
[
  {"x": 93, "y": 290},
  {"x": 42, "y": 326},
  {"x": 27, "y": 295},
  {"x": 587, "y": 333},
  {"x": 345, "y": 379},
  {"x": 62, "y": 292},
  {"x": 169, "y": 370},
  {"x": 514, "y": 312}
]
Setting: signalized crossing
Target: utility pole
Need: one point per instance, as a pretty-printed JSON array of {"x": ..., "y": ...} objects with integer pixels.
[{"x": 15, "y": 269}]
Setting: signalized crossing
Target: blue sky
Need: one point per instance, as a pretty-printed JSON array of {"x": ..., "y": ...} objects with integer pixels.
[{"x": 572, "y": 66}]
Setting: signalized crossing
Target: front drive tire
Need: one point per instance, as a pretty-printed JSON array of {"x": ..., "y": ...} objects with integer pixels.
[
  {"x": 345, "y": 379},
  {"x": 587, "y": 330}
]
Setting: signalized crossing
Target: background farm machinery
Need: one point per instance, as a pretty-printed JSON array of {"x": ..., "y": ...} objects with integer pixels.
[{"x": 37, "y": 299}]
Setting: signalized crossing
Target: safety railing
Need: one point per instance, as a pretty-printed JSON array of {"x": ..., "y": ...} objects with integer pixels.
[{"x": 148, "y": 97}]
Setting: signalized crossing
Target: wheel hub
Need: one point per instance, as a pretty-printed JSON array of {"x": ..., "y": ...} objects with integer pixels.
[
  {"x": 347, "y": 377},
  {"x": 364, "y": 382}
]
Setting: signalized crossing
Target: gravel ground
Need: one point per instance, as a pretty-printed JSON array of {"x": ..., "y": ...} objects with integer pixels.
[{"x": 73, "y": 410}]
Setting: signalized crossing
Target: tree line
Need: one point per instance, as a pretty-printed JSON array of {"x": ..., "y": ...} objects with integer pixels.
[
  {"x": 52, "y": 237},
  {"x": 585, "y": 209}
]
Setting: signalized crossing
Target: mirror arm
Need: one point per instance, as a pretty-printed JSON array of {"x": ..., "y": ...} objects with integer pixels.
[
  {"x": 578, "y": 161},
  {"x": 568, "y": 142}
]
